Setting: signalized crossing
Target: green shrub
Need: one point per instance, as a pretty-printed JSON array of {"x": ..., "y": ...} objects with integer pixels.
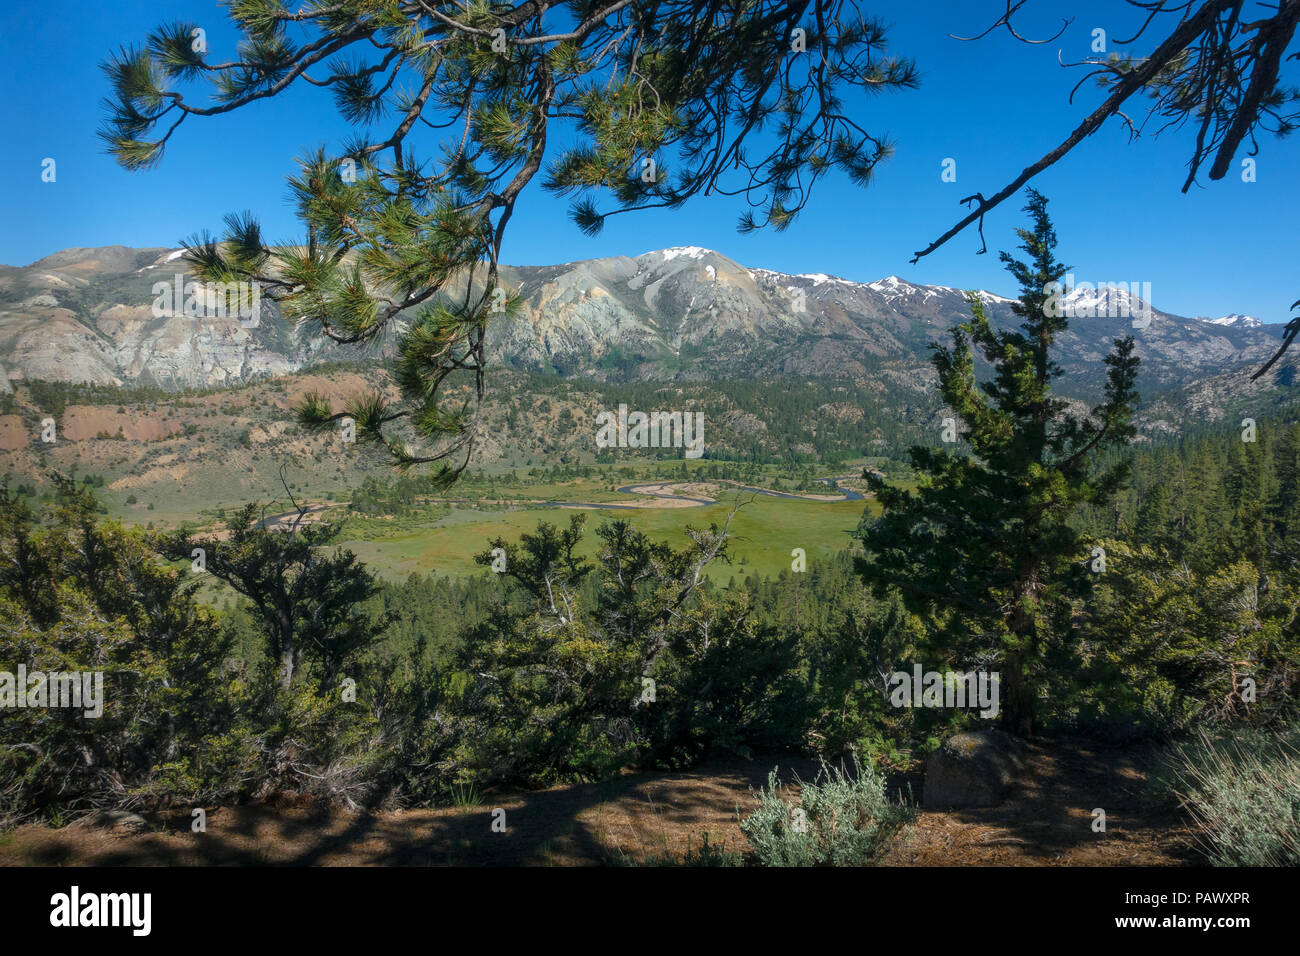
[
  {"x": 841, "y": 820},
  {"x": 82, "y": 596},
  {"x": 464, "y": 795}
]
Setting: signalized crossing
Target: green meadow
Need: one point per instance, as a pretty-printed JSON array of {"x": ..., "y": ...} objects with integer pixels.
[{"x": 765, "y": 531}]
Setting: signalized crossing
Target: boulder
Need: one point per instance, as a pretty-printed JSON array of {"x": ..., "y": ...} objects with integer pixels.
[
  {"x": 114, "y": 820},
  {"x": 972, "y": 770}
]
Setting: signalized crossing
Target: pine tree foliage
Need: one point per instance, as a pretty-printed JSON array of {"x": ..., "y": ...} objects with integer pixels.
[{"x": 455, "y": 107}]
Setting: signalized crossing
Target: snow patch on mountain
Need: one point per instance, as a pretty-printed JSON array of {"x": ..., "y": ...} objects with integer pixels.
[
  {"x": 892, "y": 287},
  {"x": 170, "y": 257},
  {"x": 690, "y": 252},
  {"x": 1105, "y": 300},
  {"x": 821, "y": 278}
]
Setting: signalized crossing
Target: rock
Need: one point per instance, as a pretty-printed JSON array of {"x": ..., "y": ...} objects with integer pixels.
[
  {"x": 115, "y": 819},
  {"x": 972, "y": 770}
]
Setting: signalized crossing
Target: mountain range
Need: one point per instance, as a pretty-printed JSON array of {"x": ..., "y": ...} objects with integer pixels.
[
  {"x": 793, "y": 368},
  {"x": 685, "y": 314}
]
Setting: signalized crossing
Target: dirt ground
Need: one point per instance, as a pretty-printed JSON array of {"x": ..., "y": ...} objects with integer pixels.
[{"x": 1045, "y": 822}]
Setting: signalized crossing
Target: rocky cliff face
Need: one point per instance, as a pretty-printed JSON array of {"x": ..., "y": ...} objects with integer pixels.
[
  {"x": 686, "y": 314},
  {"x": 88, "y": 315}
]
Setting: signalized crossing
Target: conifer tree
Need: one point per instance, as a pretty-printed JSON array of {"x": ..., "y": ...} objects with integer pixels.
[
  {"x": 308, "y": 602},
  {"x": 987, "y": 538}
]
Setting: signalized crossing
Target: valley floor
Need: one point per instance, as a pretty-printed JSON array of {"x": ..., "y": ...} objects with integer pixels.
[{"x": 1046, "y": 822}]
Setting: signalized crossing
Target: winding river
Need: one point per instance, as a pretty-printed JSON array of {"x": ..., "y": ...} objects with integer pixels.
[{"x": 643, "y": 491}]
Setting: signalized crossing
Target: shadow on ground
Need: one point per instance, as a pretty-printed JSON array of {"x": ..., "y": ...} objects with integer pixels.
[{"x": 1047, "y": 820}]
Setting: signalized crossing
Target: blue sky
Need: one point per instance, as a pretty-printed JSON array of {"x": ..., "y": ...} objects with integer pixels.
[{"x": 994, "y": 106}]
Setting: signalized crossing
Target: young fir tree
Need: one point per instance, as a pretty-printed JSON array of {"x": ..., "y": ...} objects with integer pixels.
[
  {"x": 986, "y": 540},
  {"x": 457, "y": 108}
]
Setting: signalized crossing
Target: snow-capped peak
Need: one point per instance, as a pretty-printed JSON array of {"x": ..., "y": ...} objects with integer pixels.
[
  {"x": 1236, "y": 321},
  {"x": 1088, "y": 295},
  {"x": 888, "y": 283},
  {"x": 1106, "y": 300},
  {"x": 892, "y": 287}
]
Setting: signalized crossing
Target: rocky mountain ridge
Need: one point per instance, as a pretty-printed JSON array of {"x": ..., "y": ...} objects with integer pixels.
[{"x": 680, "y": 314}]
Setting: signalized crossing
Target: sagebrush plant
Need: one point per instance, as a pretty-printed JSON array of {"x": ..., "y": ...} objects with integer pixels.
[
  {"x": 1242, "y": 790},
  {"x": 848, "y": 819}
]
